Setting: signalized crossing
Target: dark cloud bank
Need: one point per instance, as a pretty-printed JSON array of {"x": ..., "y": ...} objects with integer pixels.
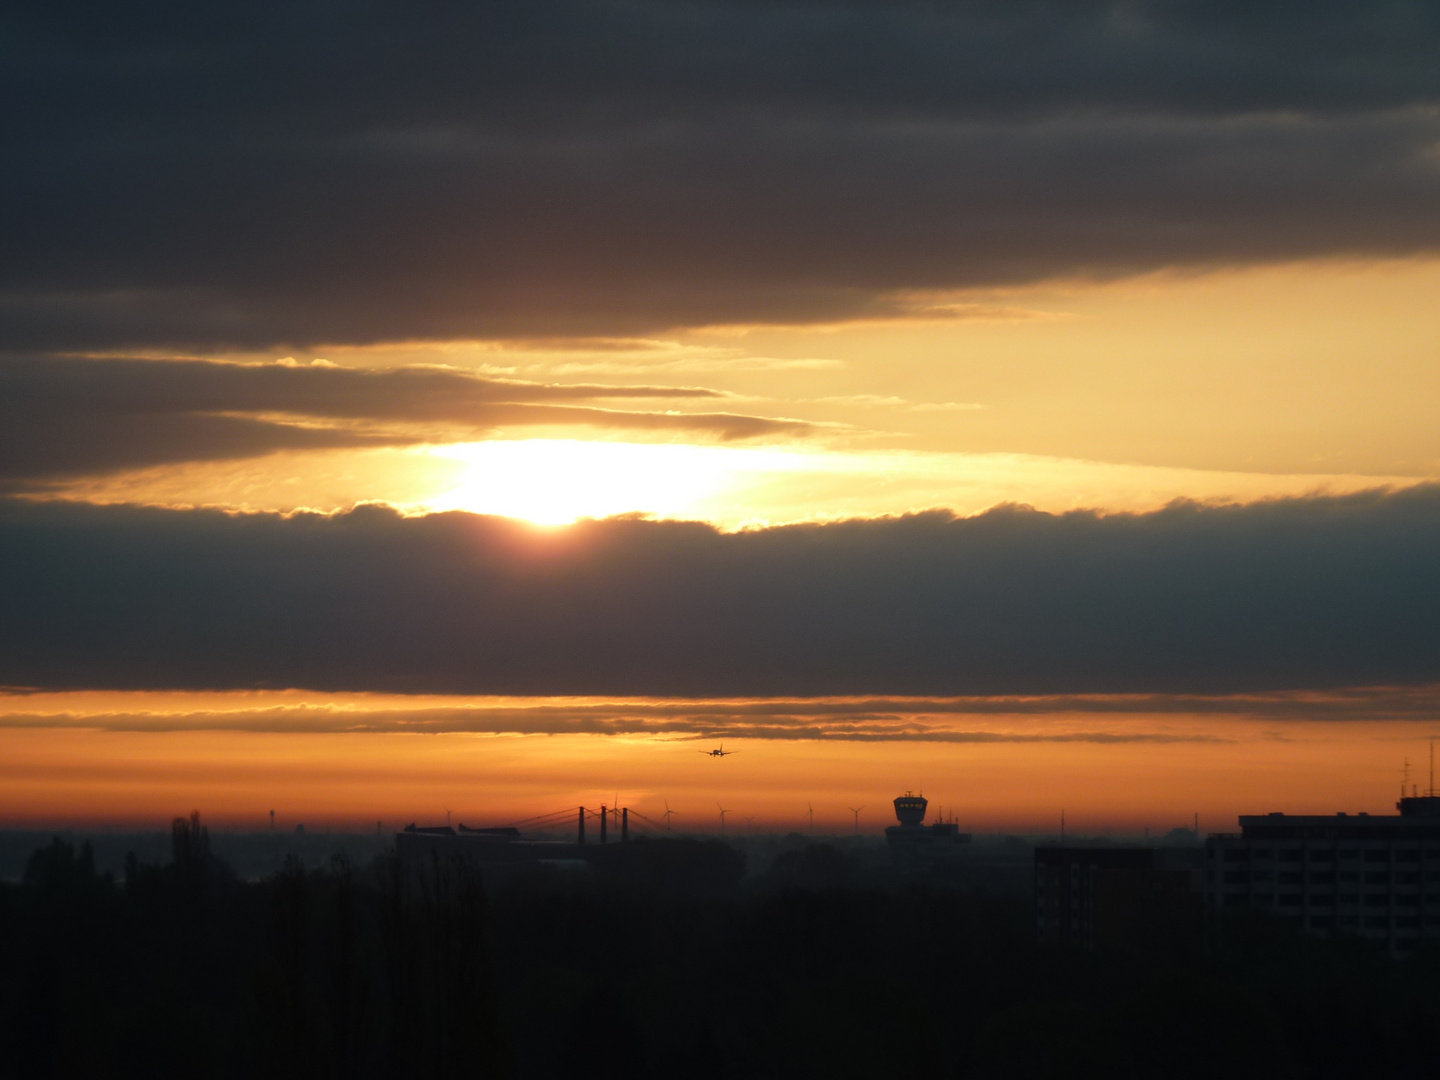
[
  {"x": 1320, "y": 592},
  {"x": 63, "y": 417},
  {"x": 246, "y": 174}
]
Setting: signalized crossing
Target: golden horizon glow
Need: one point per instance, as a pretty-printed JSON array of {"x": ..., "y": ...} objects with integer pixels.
[{"x": 348, "y": 760}]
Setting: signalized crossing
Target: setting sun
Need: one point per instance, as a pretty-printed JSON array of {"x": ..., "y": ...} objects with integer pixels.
[{"x": 558, "y": 481}]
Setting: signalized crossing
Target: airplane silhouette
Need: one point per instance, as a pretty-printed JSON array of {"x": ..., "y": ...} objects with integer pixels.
[{"x": 722, "y": 752}]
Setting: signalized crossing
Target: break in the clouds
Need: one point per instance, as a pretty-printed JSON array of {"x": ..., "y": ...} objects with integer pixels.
[
  {"x": 261, "y": 173},
  {"x": 62, "y": 417},
  {"x": 1321, "y": 592}
]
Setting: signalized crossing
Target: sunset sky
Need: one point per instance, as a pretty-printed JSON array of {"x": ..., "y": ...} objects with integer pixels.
[{"x": 485, "y": 407}]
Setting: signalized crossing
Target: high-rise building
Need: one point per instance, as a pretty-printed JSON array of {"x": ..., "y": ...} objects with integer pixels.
[{"x": 1373, "y": 876}]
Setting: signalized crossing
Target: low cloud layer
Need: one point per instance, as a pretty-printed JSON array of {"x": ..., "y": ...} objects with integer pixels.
[
  {"x": 65, "y": 417},
  {"x": 1306, "y": 593},
  {"x": 253, "y": 174}
]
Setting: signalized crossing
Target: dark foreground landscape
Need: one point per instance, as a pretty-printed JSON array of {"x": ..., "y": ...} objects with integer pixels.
[{"x": 669, "y": 958}]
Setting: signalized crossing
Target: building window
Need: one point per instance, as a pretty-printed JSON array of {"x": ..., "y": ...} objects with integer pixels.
[
  {"x": 1407, "y": 899},
  {"x": 1321, "y": 899},
  {"x": 1236, "y": 855},
  {"x": 1410, "y": 878},
  {"x": 1321, "y": 923},
  {"x": 1236, "y": 877},
  {"x": 1322, "y": 854},
  {"x": 1408, "y": 922},
  {"x": 1349, "y": 898},
  {"x": 1376, "y": 922},
  {"x": 1377, "y": 855},
  {"x": 1407, "y": 855},
  {"x": 1377, "y": 877},
  {"x": 1322, "y": 879},
  {"x": 1377, "y": 900},
  {"x": 1290, "y": 899},
  {"x": 1290, "y": 877},
  {"x": 1264, "y": 853},
  {"x": 1291, "y": 854},
  {"x": 1349, "y": 853},
  {"x": 1261, "y": 875},
  {"x": 1348, "y": 920}
]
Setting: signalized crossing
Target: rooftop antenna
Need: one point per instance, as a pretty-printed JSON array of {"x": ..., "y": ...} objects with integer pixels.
[
  {"x": 447, "y": 817},
  {"x": 812, "y": 816},
  {"x": 272, "y": 820},
  {"x": 1405, "y": 777},
  {"x": 856, "y": 811},
  {"x": 667, "y": 815},
  {"x": 723, "y": 812}
]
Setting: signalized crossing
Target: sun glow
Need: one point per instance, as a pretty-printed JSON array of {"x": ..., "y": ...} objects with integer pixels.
[{"x": 558, "y": 481}]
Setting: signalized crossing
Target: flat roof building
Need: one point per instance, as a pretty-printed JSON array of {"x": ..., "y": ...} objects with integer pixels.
[{"x": 1374, "y": 876}]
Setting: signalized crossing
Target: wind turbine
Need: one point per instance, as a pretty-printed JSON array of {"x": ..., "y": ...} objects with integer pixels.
[
  {"x": 812, "y": 818},
  {"x": 856, "y": 811},
  {"x": 667, "y": 815},
  {"x": 723, "y": 812},
  {"x": 447, "y": 817},
  {"x": 750, "y": 821}
]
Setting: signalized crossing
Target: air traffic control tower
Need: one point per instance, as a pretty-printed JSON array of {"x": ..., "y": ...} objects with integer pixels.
[{"x": 913, "y": 840}]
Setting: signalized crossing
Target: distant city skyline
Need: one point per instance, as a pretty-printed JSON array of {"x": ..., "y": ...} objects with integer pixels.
[{"x": 754, "y": 356}]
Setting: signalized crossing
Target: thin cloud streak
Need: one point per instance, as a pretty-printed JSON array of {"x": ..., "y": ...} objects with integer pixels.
[
  {"x": 68, "y": 417},
  {"x": 1144, "y": 718}
]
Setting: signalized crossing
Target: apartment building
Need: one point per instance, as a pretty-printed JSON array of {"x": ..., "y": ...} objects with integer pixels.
[{"x": 1375, "y": 876}]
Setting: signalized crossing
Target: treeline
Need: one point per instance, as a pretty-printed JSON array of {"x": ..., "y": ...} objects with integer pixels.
[
  {"x": 182, "y": 970},
  {"x": 664, "y": 959}
]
